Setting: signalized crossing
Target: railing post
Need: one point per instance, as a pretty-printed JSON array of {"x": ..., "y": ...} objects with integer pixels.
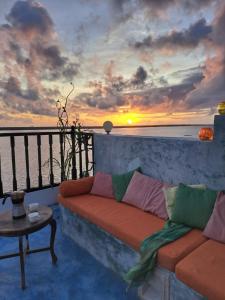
[
  {"x": 1, "y": 186},
  {"x": 39, "y": 161},
  {"x": 80, "y": 153},
  {"x": 86, "y": 155},
  {"x": 26, "y": 144},
  {"x": 73, "y": 140},
  {"x": 12, "y": 142},
  {"x": 93, "y": 153},
  {"x": 62, "y": 155},
  {"x": 51, "y": 160}
]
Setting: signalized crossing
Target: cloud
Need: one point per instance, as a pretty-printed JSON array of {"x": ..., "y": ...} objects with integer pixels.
[
  {"x": 16, "y": 49},
  {"x": 122, "y": 10},
  {"x": 125, "y": 9},
  {"x": 198, "y": 89},
  {"x": 169, "y": 97},
  {"x": 16, "y": 99},
  {"x": 188, "y": 4},
  {"x": 194, "y": 74},
  {"x": 105, "y": 99},
  {"x": 33, "y": 58},
  {"x": 186, "y": 39},
  {"x": 52, "y": 56},
  {"x": 139, "y": 77},
  {"x": 208, "y": 93},
  {"x": 193, "y": 5},
  {"x": 211, "y": 90},
  {"x": 28, "y": 16},
  {"x": 13, "y": 86},
  {"x": 32, "y": 54},
  {"x": 71, "y": 70},
  {"x": 157, "y": 8},
  {"x": 56, "y": 65},
  {"x": 195, "y": 77},
  {"x": 111, "y": 96}
]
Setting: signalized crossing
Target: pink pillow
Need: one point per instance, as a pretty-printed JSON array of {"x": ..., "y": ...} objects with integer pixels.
[
  {"x": 102, "y": 185},
  {"x": 146, "y": 193},
  {"x": 215, "y": 228}
]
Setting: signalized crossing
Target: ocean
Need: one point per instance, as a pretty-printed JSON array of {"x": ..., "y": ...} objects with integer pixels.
[
  {"x": 164, "y": 131},
  {"x": 6, "y": 163}
]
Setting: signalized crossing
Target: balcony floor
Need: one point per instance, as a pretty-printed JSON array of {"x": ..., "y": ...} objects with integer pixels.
[{"x": 77, "y": 274}]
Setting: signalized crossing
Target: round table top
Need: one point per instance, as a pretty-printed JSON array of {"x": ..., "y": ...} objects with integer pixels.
[{"x": 19, "y": 227}]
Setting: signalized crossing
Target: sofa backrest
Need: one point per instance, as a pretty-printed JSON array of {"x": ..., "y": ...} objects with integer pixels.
[{"x": 172, "y": 160}]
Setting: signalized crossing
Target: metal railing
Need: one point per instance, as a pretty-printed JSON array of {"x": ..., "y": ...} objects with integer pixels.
[{"x": 82, "y": 155}]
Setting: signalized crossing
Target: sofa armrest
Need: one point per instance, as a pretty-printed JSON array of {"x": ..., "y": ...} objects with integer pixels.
[{"x": 81, "y": 186}]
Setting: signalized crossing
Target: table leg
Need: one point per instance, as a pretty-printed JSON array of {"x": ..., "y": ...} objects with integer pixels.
[
  {"x": 21, "y": 254},
  {"x": 52, "y": 240},
  {"x": 28, "y": 245}
]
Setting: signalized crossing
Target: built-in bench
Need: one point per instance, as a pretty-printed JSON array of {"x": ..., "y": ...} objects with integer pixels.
[
  {"x": 112, "y": 232},
  {"x": 204, "y": 270}
]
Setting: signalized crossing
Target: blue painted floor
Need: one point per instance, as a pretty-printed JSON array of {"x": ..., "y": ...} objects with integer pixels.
[{"x": 77, "y": 275}]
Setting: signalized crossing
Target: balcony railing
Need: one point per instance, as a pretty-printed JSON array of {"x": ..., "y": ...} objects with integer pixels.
[
  {"x": 24, "y": 152},
  {"x": 38, "y": 149}
]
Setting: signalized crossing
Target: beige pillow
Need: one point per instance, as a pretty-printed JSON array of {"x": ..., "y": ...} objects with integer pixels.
[{"x": 170, "y": 194}]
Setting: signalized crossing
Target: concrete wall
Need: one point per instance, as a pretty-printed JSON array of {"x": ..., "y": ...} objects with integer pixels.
[{"x": 171, "y": 160}]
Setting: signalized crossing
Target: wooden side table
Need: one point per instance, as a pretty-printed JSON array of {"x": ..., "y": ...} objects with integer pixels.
[{"x": 22, "y": 228}]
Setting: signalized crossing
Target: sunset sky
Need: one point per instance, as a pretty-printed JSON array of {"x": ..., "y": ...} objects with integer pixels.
[{"x": 131, "y": 61}]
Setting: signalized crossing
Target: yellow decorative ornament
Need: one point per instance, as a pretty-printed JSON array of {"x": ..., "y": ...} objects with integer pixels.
[{"x": 221, "y": 108}]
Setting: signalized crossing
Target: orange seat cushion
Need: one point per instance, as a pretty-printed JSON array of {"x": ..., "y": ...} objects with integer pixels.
[
  {"x": 131, "y": 225},
  {"x": 171, "y": 254},
  {"x": 125, "y": 222},
  {"x": 204, "y": 270}
]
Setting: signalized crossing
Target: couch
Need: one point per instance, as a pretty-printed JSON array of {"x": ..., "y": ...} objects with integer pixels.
[{"x": 193, "y": 267}]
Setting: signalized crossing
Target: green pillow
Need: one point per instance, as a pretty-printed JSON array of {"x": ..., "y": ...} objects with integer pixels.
[
  {"x": 193, "y": 207},
  {"x": 121, "y": 182},
  {"x": 170, "y": 194}
]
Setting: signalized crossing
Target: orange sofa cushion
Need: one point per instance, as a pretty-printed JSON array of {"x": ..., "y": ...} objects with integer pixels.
[
  {"x": 171, "y": 254},
  {"x": 71, "y": 188},
  {"x": 131, "y": 225},
  {"x": 125, "y": 222},
  {"x": 204, "y": 270}
]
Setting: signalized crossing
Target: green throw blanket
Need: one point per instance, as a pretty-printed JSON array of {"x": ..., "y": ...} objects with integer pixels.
[{"x": 149, "y": 247}]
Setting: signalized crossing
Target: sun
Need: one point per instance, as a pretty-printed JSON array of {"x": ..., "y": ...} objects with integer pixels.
[{"x": 129, "y": 121}]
